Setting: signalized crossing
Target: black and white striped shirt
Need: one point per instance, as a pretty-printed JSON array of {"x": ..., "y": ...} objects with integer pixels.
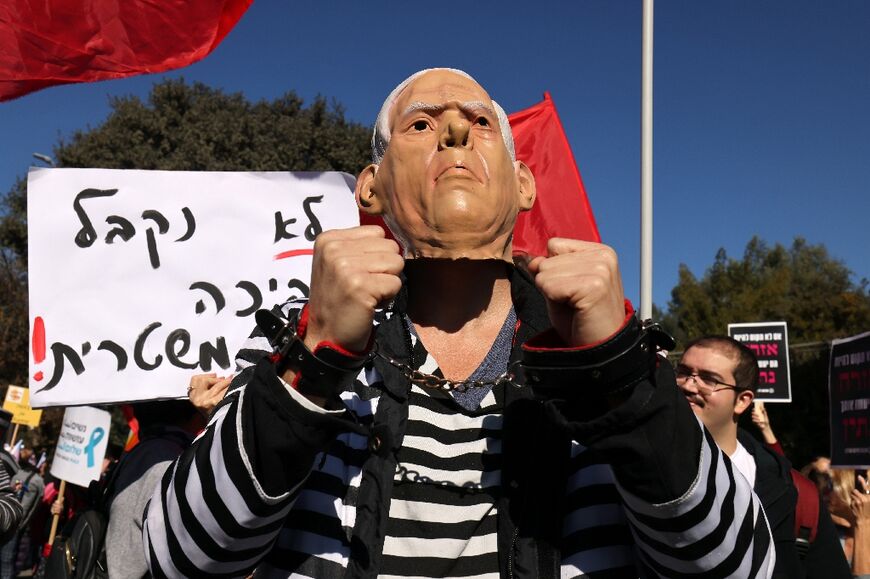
[
  {"x": 254, "y": 492},
  {"x": 11, "y": 511}
]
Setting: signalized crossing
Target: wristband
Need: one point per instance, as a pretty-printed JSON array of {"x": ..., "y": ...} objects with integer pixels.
[
  {"x": 323, "y": 374},
  {"x": 631, "y": 357}
]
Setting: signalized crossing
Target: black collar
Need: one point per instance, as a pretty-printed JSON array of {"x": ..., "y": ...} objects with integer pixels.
[{"x": 394, "y": 340}]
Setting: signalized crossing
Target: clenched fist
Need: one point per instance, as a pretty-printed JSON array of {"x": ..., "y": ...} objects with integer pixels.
[
  {"x": 354, "y": 271},
  {"x": 581, "y": 283}
]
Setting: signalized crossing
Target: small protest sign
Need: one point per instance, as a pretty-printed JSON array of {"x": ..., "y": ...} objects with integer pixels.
[
  {"x": 18, "y": 403},
  {"x": 849, "y": 391},
  {"x": 769, "y": 341},
  {"x": 81, "y": 446},
  {"x": 140, "y": 279}
]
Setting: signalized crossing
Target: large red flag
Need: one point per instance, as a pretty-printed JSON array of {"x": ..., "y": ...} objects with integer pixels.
[
  {"x": 49, "y": 42},
  {"x": 562, "y": 209}
]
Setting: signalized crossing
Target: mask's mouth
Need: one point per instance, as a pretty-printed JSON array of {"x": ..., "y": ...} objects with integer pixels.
[{"x": 458, "y": 166}]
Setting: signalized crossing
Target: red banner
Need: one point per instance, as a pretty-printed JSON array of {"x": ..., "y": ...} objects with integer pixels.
[
  {"x": 562, "y": 208},
  {"x": 51, "y": 42}
]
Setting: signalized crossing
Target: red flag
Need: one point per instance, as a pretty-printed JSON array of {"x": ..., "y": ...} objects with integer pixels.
[
  {"x": 49, "y": 42},
  {"x": 133, "y": 423},
  {"x": 562, "y": 208}
]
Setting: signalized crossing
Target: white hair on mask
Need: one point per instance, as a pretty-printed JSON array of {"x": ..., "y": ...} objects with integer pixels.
[{"x": 381, "y": 133}]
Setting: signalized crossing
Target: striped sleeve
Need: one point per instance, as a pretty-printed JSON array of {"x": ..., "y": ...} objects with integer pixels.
[
  {"x": 688, "y": 511},
  {"x": 221, "y": 505},
  {"x": 716, "y": 529},
  {"x": 10, "y": 508}
]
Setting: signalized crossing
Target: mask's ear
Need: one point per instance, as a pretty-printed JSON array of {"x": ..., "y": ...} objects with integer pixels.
[
  {"x": 526, "y": 180},
  {"x": 366, "y": 197}
]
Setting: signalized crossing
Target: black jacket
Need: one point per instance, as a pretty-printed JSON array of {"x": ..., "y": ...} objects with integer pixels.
[
  {"x": 670, "y": 478},
  {"x": 778, "y": 495}
]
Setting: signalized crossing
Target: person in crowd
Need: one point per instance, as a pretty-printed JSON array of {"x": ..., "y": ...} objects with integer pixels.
[
  {"x": 28, "y": 486},
  {"x": 11, "y": 511},
  {"x": 849, "y": 503},
  {"x": 166, "y": 428},
  {"x": 435, "y": 412},
  {"x": 819, "y": 464},
  {"x": 718, "y": 376},
  {"x": 761, "y": 420}
]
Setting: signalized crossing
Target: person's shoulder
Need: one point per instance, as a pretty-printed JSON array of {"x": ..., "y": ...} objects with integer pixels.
[
  {"x": 30, "y": 475},
  {"x": 767, "y": 461}
]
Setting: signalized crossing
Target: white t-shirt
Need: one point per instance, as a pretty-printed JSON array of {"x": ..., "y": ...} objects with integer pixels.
[{"x": 744, "y": 463}]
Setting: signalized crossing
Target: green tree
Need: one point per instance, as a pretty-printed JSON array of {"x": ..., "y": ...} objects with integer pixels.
[
  {"x": 181, "y": 126},
  {"x": 802, "y": 285}
]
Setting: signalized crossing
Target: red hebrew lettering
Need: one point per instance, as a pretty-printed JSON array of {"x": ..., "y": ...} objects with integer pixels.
[
  {"x": 843, "y": 381},
  {"x": 853, "y": 427},
  {"x": 767, "y": 377},
  {"x": 772, "y": 349}
]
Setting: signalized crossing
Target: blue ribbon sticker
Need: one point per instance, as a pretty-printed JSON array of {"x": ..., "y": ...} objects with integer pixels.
[{"x": 96, "y": 436}]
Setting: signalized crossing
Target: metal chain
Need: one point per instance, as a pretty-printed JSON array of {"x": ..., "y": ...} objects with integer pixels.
[{"x": 433, "y": 382}]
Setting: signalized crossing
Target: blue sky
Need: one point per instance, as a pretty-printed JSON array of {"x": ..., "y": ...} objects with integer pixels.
[{"x": 762, "y": 109}]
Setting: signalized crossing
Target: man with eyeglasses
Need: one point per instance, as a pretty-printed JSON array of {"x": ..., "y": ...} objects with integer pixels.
[{"x": 719, "y": 375}]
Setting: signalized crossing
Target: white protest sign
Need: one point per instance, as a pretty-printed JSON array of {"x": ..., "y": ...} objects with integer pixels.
[
  {"x": 81, "y": 446},
  {"x": 140, "y": 279}
]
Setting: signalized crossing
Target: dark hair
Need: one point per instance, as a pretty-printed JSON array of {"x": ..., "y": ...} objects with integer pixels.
[
  {"x": 173, "y": 412},
  {"x": 746, "y": 369}
]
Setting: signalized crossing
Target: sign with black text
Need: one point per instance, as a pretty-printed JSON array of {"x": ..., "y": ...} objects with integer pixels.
[
  {"x": 769, "y": 341},
  {"x": 140, "y": 279},
  {"x": 849, "y": 391}
]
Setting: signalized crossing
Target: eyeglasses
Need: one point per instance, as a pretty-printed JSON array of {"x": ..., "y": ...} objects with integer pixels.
[{"x": 704, "y": 379}]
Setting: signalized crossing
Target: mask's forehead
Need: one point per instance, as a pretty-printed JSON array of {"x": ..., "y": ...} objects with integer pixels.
[{"x": 436, "y": 87}]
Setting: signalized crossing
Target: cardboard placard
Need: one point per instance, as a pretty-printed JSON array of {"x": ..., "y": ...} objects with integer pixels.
[
  {"x": 18, "y": 403},
  {"x": 140, "y": 279},
  {"x": 81, "y": 446},
  {"x": 769, "y": 341},
  {"x": 849, "y": 391}
]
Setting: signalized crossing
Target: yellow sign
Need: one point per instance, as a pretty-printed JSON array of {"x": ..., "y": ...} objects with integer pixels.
[{"x": 18, "y": 403}]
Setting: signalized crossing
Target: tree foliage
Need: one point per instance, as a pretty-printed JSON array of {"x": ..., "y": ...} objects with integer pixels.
[
  {"x": 180, "y": 126},
  {"x": 198, "y": 128},
  {"x": 801, "y": 285}
]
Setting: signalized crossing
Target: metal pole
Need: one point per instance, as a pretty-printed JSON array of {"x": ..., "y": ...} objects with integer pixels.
[{"x": 646, "y": 164}]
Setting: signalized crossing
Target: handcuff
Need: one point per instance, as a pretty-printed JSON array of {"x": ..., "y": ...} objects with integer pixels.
[
  {"x": 323, "y": 374},
  {"x": 636, "y": 356}
]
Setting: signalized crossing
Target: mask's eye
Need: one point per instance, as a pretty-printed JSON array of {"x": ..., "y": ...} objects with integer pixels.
[
  {"x": 420, "y": 125},
  {"x": 483, "y": 121}
]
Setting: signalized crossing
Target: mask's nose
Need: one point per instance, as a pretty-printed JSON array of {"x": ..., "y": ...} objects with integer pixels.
[{"x": 455, "y": 133}]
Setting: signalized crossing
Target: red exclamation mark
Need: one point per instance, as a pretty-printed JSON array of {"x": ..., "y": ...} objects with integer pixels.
[{"x": 37, "y": 344}]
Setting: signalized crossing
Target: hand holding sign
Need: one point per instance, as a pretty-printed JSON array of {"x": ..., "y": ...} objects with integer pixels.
[{"x": 206, "y": 390}]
